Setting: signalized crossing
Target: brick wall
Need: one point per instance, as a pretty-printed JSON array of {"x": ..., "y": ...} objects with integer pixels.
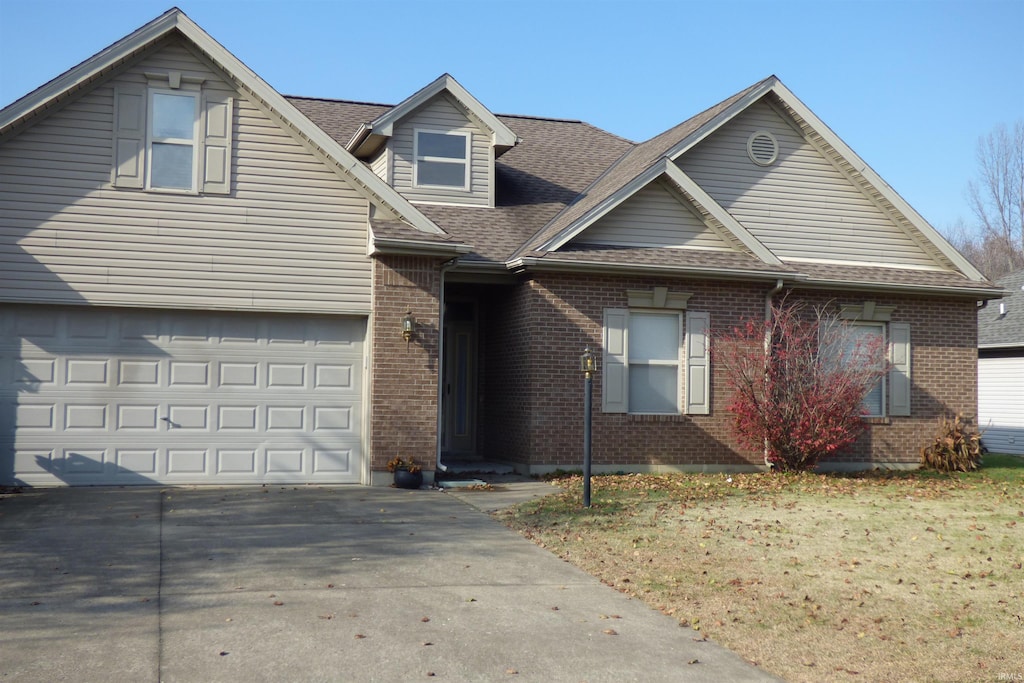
[
  {"x": 549, "y": 319},
  {"x": 403, "y": 390}
]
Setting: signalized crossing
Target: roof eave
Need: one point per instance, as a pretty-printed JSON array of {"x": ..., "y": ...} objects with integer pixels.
[
  {"x": 564, "y": 265},
  {"x": 393, "y": 245},
  {"x": 72, "y": 79},
  {"x": 975, "y": 293}
]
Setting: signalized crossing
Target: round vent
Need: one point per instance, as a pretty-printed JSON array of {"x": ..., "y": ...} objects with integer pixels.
[{"x": 763, "y": 148}]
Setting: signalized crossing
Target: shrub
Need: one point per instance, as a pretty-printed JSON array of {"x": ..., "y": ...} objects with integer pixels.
[
  {"x": 956, "y": 448},
  {"x": 798, "y": 383}
]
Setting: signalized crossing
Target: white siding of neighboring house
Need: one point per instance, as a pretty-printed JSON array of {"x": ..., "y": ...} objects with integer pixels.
[
  {"x": 291, "y": 235},
  {"x": 653, "y": 217},
  {"x": 802, "y": 207},
  {"x": 1001, "y": 404},
  {"x": 441, "y": 113}
]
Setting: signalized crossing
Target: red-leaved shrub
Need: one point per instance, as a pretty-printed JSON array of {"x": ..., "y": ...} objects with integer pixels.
[{"x": 798, "y": 383}]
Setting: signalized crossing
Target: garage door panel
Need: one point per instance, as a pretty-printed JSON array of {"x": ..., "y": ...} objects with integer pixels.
[{"x": 123, "y": 397}]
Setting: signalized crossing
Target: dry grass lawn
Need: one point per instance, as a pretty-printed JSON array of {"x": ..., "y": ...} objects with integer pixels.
[{"x": 900, "y": 577}]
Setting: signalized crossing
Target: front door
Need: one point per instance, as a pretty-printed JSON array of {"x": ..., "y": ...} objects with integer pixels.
[{"x": 458, "y": 399}]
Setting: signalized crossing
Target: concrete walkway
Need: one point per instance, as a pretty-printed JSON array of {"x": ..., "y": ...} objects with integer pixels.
[{"x": 313, "y": 584}]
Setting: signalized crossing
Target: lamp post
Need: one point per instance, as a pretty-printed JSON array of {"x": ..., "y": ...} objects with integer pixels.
[{"x": 587, "y": 366}]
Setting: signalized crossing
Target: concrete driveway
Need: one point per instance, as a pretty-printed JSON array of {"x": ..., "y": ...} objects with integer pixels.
[{"x": 312, "y": 584}]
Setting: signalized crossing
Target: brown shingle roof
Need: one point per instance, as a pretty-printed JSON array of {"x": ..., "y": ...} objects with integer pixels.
[{"x": 563, "y": 169}]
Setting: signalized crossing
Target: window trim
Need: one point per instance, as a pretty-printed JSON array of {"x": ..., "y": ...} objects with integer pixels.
[
  {"x": 464, "y": 161},
  {"x": 151, "y": 139}
]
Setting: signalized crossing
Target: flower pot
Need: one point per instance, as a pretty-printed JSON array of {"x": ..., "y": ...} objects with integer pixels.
[{"x": 404, "y": 479}]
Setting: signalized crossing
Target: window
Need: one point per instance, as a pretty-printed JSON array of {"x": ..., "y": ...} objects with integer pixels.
[
  {"x": 172, "y": 138},
  {"x": 654, "y": 352},
  {"x": 654, "y": 364},
  {"x": 891, "y": 396},
  {"x": 868, "y": 333},
  {"x": 441, "y": 159}
]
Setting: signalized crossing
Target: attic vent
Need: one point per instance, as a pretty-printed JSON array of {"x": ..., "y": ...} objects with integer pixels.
[{"x": 763, "y": 148}]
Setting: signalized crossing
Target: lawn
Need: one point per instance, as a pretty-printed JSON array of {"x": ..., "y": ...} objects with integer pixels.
[{"x": 873, "y": 577}]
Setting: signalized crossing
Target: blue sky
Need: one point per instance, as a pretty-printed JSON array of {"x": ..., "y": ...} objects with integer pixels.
[{"x": 910, "y": 85}]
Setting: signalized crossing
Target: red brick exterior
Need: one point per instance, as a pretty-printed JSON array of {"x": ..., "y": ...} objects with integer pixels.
[
  {"x": 403, "y": 384},
  {"x": 533, "y": 412},
  {"x": 530, "y": 401}
]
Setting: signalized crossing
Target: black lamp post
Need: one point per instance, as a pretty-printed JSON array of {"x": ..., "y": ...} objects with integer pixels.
[{"x": 587, "y": 366}]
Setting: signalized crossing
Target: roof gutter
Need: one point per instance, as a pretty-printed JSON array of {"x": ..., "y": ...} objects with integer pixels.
[
  {"x": 532, "y": 263},
  {"x": 976, "y": 293},
  {"x": 391, "y": 245}
]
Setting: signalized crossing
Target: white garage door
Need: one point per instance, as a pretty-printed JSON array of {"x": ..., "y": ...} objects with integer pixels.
[{"x": 109, "y": 396}]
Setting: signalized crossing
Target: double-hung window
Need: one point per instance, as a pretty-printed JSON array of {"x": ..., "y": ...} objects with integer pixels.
[
  {"x": 865, "y": 336},
  {"x": 656, "y": 362},
  {"x": 654, "y": 354},
  {"x": 172, "y": 136},
  {"x": 869, "y": 324},
  {"x": 442, "y": 159},
  {"x": 172, "y": 140}
]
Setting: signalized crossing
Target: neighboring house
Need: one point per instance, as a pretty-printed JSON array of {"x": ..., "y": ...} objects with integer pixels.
[
  {"x": 204, "y": 281},
  {"x": 1001, "y": 369}
]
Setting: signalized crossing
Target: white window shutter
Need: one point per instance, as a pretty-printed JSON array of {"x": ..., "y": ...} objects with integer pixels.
[
  {"x": 698, "y": 363},
  {"x": 129, "y": 136},
  {"x": 216, "y": 142},
  {"x": 899, "y": 375},
  {"x": 616, "y": 379}
]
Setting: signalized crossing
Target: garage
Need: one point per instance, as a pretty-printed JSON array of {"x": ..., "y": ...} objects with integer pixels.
[{"x": 120, "y": 396}]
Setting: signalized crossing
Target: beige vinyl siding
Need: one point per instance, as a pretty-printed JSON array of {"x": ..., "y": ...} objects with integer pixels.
[
  {"x": 379, "y": 165},
  {"x": 801, "y": 207},
  {"x": 653, "y": 217},
  {"x": 443, "y": 115},
  {"x": 291, "y": 236}
]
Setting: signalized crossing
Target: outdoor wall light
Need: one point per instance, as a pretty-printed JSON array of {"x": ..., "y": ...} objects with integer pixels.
[
  {"x": 587, "y": 363},
  {"x": 408, "y": 326}
]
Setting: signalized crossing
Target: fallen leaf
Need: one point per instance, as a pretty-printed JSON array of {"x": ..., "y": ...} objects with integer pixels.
[
  {"x": 277, "y": 603},
  {"x": 359, "y": 636},
  {"x": 610, "y": 632},
  {"x": 425, "y": 619}
]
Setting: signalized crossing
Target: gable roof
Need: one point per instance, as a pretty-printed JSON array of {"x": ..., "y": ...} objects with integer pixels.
[
  {"x": 655, "y": 158},
  {"x": 1001, "y": 324},
  {"x": 71, "y": 82},
  {"x": 370, "y": 135}
]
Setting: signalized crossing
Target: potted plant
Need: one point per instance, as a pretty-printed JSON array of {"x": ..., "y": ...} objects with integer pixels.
[{"x": 408, "y": 473}]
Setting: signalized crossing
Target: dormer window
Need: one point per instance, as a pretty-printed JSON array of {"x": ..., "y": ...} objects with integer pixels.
[{"x": 442, "y": 159}]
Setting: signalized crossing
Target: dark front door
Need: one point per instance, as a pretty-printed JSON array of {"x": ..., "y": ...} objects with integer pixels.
[{"x": 459, "y": 392}]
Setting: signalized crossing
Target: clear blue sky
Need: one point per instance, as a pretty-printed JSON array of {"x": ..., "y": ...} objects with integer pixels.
[{"x": 910, "y": 85}]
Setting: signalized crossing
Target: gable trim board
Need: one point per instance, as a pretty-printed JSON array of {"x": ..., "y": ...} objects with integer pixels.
[{"x": 370, "y": 136}]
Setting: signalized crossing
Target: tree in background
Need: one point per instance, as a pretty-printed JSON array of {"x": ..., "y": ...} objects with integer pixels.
[
  {"x": 995, "y": 245},
  {"x": 798, "y": 383}
]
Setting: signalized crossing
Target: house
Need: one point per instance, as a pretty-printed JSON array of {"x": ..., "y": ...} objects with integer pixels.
[
  {"x": 204, "y": 281},
  {"x": 1001, "y": 369}
]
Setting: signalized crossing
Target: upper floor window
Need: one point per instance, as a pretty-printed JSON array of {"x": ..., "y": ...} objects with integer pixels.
[
  {"x": 442, "y": 159},
  {"x": 172, "y": 140},
  {"x": 176, "y": 138}
]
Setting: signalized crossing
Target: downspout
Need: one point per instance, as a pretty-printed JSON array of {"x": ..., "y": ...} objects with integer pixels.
[
  {"x": 768, "y": 340},
  {"x": 445, "y": 267}
]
